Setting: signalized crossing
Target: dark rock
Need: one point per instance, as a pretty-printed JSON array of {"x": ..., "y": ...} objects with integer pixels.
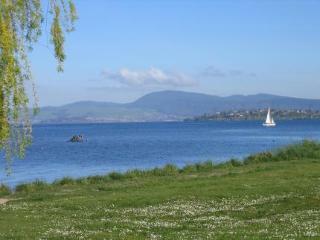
[{"x": 76, "y": 138}]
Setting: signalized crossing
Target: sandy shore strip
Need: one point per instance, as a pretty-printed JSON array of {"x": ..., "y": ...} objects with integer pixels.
[{"x": 4, "y": 200}]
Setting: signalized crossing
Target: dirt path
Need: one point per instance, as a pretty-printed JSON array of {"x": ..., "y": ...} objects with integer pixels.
[{"x": 3, "y": 200}]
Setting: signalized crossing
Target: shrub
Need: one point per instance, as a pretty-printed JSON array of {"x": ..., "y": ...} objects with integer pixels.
[
  {"x": 97, "y": 179},
  {"x": 135, "y": 173},
  {"x": 4, "y": 190},
  {"x": 189, "y": 169},
  {"x": 204, "y": 166},
  {"x": 32, "y": 187},
  {"x": 305, "y": 149},
  {"x": 236, "y": 162},
  {"x": 115, "y": 176},
  {"x": 170, "y": 169},
  {"x": 65, "y": 181},
  {"x": 83, "y": 180},
  {"x": 155, "y": 172},
  {"x": 257, "y": 158}
]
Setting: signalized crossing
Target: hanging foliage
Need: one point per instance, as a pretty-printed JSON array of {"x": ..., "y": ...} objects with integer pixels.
[{"x": 21, "y": 23}]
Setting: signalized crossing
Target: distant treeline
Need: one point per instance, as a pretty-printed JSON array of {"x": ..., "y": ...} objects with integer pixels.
[{"x": 259, "y": 114}]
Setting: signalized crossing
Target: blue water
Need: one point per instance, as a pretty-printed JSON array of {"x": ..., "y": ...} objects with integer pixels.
[{"x": 123, "y": 146}]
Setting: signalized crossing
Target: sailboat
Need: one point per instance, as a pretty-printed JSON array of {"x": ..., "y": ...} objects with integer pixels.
[{"x": 269, "y": 120}]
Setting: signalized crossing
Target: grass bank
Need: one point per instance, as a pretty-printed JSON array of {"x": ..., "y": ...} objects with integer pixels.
[{"x": 268, "y": 195}]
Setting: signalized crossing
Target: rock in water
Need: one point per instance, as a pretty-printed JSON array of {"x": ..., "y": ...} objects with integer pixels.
[{"x": 76, "y": 138}]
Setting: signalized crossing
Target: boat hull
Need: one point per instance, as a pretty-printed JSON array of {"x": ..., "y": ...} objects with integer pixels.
[{"x": 269, "y": 124}]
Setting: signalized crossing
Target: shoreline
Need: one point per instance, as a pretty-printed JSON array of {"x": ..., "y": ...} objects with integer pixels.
[
  {"x": 259, "y": 198},
  {"x": 173, "y": 121},
  {"x": 280, "y": 154}
]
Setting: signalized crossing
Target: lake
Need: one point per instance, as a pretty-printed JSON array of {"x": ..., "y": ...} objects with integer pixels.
[{"x": 123, "y": 146}]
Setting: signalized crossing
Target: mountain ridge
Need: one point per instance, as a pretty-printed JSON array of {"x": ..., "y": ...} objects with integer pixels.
[{"x": 167, "y": 106}]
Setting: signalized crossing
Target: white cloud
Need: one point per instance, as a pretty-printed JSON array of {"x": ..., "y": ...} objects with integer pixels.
[
  {"x": 152, "y": 76},
  {"x": 214, "y": 72}
]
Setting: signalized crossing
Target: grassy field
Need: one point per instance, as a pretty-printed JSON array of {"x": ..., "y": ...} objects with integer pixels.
[{"x": 267, "y": 196}]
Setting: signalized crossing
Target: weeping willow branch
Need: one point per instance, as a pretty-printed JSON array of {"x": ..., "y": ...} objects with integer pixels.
[{"x": 20, "y": 28}]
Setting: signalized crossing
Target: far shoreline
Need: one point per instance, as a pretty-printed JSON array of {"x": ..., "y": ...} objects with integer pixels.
[{"x": 173, "y": 121}]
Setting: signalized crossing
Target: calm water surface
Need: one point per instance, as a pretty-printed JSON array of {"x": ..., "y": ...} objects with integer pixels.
[{"x": 123, "y": 146}]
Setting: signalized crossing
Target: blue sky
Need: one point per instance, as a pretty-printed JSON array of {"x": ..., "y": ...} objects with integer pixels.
[{"x": 123, "y": 49}]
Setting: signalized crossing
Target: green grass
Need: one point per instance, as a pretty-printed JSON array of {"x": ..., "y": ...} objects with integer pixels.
[{"x": 272, "y": 195}]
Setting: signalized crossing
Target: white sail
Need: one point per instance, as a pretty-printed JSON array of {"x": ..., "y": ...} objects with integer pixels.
[{"x": 269, "y": 120}]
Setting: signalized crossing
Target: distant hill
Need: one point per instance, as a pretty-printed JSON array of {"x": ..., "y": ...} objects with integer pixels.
[
  {"x": 167, "y": 106},
  {"x": 82, "y": 112},
  {"x": 186, "y": 103}
]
